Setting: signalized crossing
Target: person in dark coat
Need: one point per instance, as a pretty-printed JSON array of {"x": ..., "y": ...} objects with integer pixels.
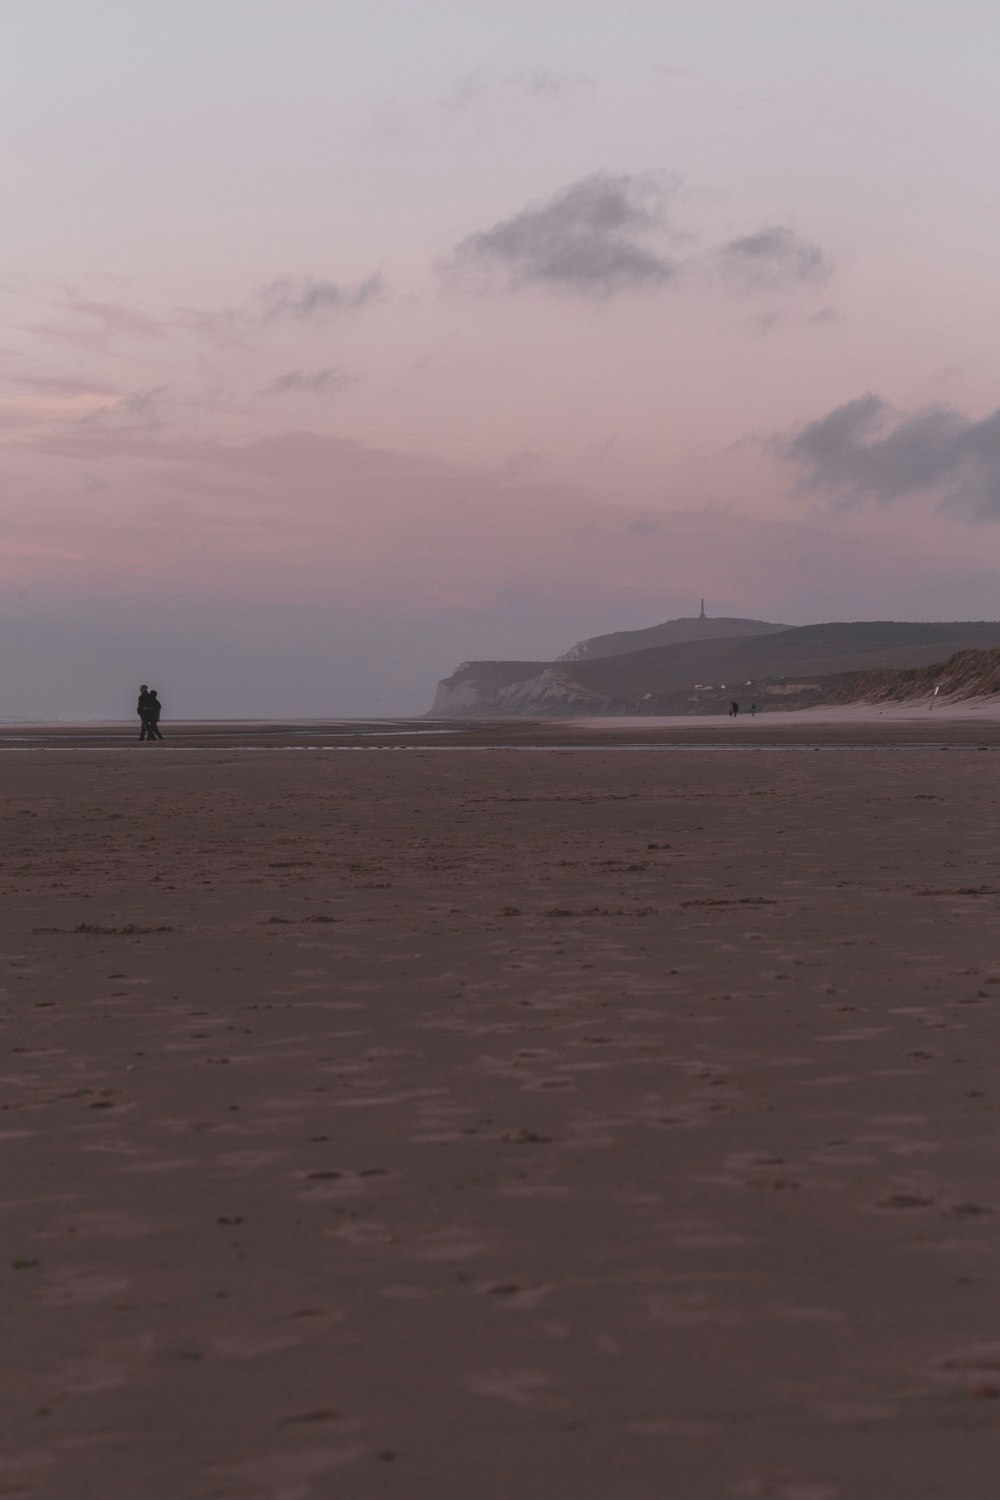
[
  {"x": 155, "y": 707},
  {"x": 143, "y": 710}
]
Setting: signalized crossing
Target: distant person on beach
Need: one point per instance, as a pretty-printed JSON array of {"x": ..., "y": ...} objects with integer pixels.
[
  {"x": 734, "y": 709},
  {"x": 753, "y": 710},
  {"x": 142, "y": 708},
  {"x": 155, "y": 707}
]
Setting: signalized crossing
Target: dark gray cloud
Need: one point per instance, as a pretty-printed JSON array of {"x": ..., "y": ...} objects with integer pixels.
[
  {"x": 864, "y": 451},
  {"x": 588, "y": 238},
  {"x": 604, "y": 234},
  {"x": 333, "y": 378},
  {"x": 774, "y": 256},
  {"x": 305, "y": 297}
]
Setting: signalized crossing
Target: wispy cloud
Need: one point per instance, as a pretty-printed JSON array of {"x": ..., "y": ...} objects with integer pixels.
[
  {"x": 774, "y": 256},
  {"x": 588, "y": 239},
  {"x": 546, "y": 83},
  {"x": 306, "y": 297},
  {"x": 115, "y": 317},
  {"x": 333, "y": 378},
  {"x": 777, "y": 318},
  {"x": 141, "y": 407},
  {"x": 96, "y": 327},
  {"x": 482, "y": 86},
  {"x": 225, "y": 327},
  {"x": 60, "y": 385},
  {"x": 298, "y": 298},
  {"x": 865, "y": 451}
]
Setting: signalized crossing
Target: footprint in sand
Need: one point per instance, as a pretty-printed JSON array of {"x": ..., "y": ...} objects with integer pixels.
[
  {"x": 784, "y": 1489},
  {"x": 526, "y": 1389},
  {"x": 905, "y": 1200},
  {"x": 249, "y": 1343},
  {"x": 287, "y": 1473},
  {"x": 81, "y": 1289},
  {"x": 975, "y": 1368}
]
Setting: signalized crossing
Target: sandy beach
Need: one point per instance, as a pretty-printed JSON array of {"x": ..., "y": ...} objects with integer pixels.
[{"x": 568, "y": 1122}]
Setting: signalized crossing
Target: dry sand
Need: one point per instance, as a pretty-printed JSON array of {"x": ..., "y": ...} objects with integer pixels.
[
  {"x": 501, "y": 1126},
  {"x": 929, "y": 711}
]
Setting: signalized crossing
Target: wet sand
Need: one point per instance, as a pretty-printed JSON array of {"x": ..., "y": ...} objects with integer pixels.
[
  {"x": 485, "y": 1125},
  {"x": 927, "y": 722}
]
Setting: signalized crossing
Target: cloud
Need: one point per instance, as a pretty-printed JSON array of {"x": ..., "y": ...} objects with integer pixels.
[
  {"x": 141, "y": 409},
  {"x": 297, "y": 297},
  {"x": 116, "y": 318},
  {"x": 544, "y": 83},
  {"x": 226, "y": 327},
  {"x": 482, "y": 86},
  {"x": 863, "y": 450},
  {"x": 41, "y": 405},
  {"x": 598, "y": 237},
  {"x": 772, "y": 319},
  {"x": 103, "y": 324},
  {"x": 334, "y": 378},
  {"x": 774, "y": 256},
  {"x": 305, "y": 297},
  {"x": 468, "y": 90},
  {"x": 61, "y": 385},
  {"x": 587, "y": 239}
]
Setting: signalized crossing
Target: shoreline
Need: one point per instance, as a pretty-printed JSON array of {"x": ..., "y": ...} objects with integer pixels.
[{"x": 897, "y": 725}]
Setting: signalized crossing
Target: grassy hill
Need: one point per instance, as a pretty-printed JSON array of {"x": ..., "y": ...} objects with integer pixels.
[
  {"x": 966, "y": 675},
  {"x": 699, "y": 675},
  {"x": 670, "y": 633}
]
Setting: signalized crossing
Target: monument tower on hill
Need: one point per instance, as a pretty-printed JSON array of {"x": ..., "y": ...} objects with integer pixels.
[{"x": 702, "y": 615}]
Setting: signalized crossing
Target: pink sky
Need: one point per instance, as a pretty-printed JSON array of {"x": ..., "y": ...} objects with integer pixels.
[{"x": 342, "y": 342}]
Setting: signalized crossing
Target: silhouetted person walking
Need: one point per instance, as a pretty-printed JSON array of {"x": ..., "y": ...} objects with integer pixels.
[
  {"x": 155, "y": 707},
  {"x": 143, "y": 708}
]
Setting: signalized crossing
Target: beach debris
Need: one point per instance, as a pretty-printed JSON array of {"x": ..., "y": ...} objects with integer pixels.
[
  {"x": 322, "y": 1414},
  {"x": 730, "y": 901},
  {"x": 94, "y": 929}
]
